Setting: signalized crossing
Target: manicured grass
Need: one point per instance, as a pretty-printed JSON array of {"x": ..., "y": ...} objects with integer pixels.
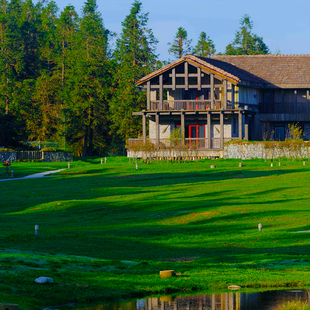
[
  {"x": 22, "y": 169},
  {"x": 107, "y": 230}
]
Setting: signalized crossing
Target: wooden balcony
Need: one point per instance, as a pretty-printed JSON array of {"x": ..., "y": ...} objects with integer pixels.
[{"x": 189, "y": 105}]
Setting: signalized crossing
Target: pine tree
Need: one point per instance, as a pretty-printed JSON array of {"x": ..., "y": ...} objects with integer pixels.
[
  {"x": 43, "y": 106},
  {"x": 205, "y": 46},
  {"x": 181, "y": 45},
  {"x": 88, "y": 84},
  {"x": 135, "y": 57},
  {"x": 11, "y": 55},
  {"x": 246, "y": 42}
]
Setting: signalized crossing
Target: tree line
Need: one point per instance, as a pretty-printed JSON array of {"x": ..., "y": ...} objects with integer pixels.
[{"x": 61, "y": 81}]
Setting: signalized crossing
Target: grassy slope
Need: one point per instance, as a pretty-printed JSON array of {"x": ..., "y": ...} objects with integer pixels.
[{"x": 116, "y": 227}]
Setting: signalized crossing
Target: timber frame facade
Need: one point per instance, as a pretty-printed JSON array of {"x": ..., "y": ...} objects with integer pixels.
[{"x": 213, "y": 100}]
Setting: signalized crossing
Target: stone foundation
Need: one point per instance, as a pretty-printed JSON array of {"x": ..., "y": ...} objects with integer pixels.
[{"x": 266, "y": 150}]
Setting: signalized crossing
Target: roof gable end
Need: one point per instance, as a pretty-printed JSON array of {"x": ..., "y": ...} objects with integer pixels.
[{"x": 196, "y": 62}]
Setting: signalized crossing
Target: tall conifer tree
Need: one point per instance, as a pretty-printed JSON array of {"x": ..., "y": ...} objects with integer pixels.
[
  {"x": 205, "y": 46},
  {"x": 181, "y": 45},
  {"x": 44, "y": 123},
  {"x": 12, "y": 55},
  {"x": 89, "y": 81},
  {"x": 246, "y": 42},
  {"x": 135, "y": 57}
]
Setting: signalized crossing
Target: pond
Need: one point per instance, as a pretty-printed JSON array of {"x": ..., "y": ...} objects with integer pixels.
[{"x": 268, "y": 300}]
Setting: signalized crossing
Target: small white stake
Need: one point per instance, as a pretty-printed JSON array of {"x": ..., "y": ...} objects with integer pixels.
[
  {"x": 271, "y": 165},
  {"x": 105, "y": 160},
  {"x": 304, "y": 163},
  {"x": 137, "y": 167},
  {"x": 279, "y": 164},
  {"x": 260, "y": 226},
  {"x": 36, "y": 229},
  {"x": 101, "y": 161},
  {"x": 69, "y": 165},
  {"x": 240, "y": 165}
]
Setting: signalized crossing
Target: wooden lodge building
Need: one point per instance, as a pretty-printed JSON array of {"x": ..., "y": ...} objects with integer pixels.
[{"x": 214, "y": 100}]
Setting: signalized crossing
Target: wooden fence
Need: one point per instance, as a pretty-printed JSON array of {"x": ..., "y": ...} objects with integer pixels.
[{"x": 29, "y": 155}]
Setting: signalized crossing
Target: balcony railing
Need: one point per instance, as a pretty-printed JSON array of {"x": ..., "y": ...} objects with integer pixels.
[
  {"x": 284, "y": 108},
  {"x": 177, "y": 105}
]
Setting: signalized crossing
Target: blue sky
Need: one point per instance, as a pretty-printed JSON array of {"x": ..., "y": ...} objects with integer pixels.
[{"x": 283, "y": 24}]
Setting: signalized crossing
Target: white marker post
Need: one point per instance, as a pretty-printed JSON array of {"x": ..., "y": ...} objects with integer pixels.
[
  {"x": 101, "y": 161},
  {"x": 68, "y": 165},
  {"x": 260, "y": 226},
  {"x": 36, "y": 229},
  {"x": 105, "y": 160}
]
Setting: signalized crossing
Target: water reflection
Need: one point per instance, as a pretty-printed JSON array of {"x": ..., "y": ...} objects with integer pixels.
[{"x": 269, "y": 300}]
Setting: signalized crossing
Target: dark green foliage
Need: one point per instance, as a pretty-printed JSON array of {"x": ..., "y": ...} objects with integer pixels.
[
  {"x": 11, "y": 130},
  {"x": 58, "y": 76},
  {"x": 135, "y": 57},
  {"x": 89, "y": 81},
  {"x": 246, "y": 42}
]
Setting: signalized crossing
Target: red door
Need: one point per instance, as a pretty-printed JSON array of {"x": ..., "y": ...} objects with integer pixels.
[{"x": 197, "y": 135}]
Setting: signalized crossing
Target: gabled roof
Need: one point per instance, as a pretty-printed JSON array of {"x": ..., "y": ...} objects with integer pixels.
[
  {"x": 285, "y": 71},
  {"x": 201, "y": 62}
]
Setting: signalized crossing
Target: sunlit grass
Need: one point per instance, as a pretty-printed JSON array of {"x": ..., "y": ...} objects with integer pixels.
[{"x": 199, "y": 221}]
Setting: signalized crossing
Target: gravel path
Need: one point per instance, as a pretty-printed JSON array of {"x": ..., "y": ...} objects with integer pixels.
[{"x": 33, "y": 176}]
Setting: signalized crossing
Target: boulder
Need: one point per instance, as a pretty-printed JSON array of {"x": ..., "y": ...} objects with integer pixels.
[{"x": 43, "y": 280}]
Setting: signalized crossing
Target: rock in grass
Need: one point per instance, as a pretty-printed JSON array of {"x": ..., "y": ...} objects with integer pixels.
[
  {"x": 234, "y": 287},
  {"x": 43, "y": 280},
  {"x": 167, "y": 274}
]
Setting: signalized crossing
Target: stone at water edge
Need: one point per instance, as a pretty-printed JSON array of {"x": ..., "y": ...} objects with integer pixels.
[
  {"x": 234, "y": 287},
  {"x": 43, "y": 280}
]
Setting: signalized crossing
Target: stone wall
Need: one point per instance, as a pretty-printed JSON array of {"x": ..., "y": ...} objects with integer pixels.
[
  {"x": 57, "y": 156},
  {"x": 4, "y": 156},
  {"x": 44, "y": 156},
  {"x": 266, "y": 150}
]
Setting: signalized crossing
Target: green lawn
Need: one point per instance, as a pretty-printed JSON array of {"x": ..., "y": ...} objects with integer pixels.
[{"x": 107, "y": 230}]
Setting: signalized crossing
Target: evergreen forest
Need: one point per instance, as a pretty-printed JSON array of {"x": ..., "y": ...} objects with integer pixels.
[{"x": 61, "y": 81}]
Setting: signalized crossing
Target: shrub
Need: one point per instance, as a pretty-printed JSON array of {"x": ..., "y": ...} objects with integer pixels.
[
  {"x": 6, "y": 150},
  {"x": 295, "y": 305},
  {"x": 48, "y": 149}
]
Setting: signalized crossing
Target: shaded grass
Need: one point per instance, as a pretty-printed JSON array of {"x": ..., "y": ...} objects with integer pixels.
[{"x": 110, "y": 228}]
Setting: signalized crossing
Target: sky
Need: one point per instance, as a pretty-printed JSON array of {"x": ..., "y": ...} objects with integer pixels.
[{"x": 283, "y": 24}]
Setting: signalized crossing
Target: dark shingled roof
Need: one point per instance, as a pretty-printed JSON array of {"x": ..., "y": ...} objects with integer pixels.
[
  {"x": 277, "y": 70},
  {"x": 286, "y": 71}
]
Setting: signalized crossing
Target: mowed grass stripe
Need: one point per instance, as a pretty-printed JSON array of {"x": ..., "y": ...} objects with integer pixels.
[{"x": 199, "y": 221}]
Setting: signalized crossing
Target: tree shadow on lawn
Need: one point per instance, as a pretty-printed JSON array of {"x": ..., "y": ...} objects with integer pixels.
[
  {"x": 167, "y": 203},
  {"x": 162, "y": 179},
  {"x": 97, "y": 238},
  {"x": 150, "y": 203},
  {"x": 116, "y": 247}
]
